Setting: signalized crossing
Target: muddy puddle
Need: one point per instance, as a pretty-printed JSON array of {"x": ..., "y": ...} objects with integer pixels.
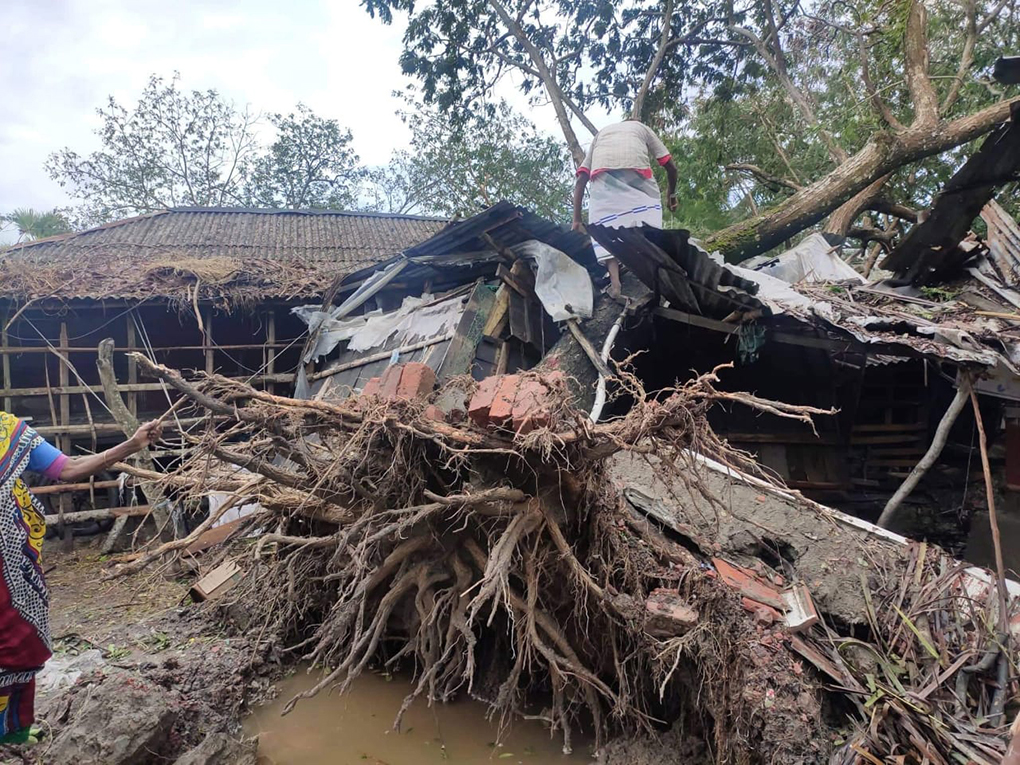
[{"x": 357, "y": 729}]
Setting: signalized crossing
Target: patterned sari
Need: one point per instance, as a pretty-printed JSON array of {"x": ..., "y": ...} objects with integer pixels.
[{"x": 24, "y": 602}]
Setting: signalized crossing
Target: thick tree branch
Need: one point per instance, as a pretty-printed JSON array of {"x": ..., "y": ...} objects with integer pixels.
[
  {"x": 877, "y": 102},
  {"x": 845, "y": 215},
  {"x": 772, "y": 53},
  {"x": 888, "y": 207},
  {"x": 882, "y": 154},
  {"x": 915, "y": 51},
  {"x": 552, "y": 87}
]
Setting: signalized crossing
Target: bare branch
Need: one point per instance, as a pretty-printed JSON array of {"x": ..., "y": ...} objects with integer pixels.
[
  {"x": 966, "y": 56},
  {"x": 653, "y": 67},
  {"x": 548, "y": 79},
  {"x": 773, "y": 181}
]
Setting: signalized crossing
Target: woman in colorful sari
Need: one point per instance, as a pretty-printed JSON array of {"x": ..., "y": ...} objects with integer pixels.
[
  {"x": 24, "y": 602},
  {"x": 623, "y": 190}
]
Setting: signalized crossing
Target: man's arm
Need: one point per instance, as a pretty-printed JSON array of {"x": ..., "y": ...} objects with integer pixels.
[
  {"x": 579, "y": 185},
  {"x": 671, "y": 189}
]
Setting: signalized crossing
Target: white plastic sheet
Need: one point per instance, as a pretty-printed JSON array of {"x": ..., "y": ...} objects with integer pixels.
[
  {"x": 813, "y": 260},
  {"x": 563, "y": 285}
]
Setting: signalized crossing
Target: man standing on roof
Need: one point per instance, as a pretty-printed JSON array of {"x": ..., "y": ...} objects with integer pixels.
[{"x": 623, "y": 191}]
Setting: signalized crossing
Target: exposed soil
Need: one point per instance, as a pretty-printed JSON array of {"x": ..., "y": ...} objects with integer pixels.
[{"x": 170, "y": 673}]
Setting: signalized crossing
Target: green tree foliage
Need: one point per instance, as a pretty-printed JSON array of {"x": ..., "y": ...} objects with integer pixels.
[
  {"x": 179, "y": 149},
  {"x": 33, "y": 224},
  {"x": 807, "y": 109},
  {"x": 311, "y": 164},
  {"x": 172, "y": 149},
  {"x": 457, "y": 169}
]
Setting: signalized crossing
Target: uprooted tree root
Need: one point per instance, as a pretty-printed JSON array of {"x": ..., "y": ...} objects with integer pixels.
[{"x": 497, "y": 564}]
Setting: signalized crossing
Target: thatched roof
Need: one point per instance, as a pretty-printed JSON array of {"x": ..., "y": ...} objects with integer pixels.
[{"x": 233, "y": 255}]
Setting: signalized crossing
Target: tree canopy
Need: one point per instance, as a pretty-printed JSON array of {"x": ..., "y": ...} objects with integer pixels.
[
  {"x": 177, "y": 148},
  {"x": 809, "y": 111},
  {"x": 34, "y": 224},
  {"x": 459, "y": 169}
]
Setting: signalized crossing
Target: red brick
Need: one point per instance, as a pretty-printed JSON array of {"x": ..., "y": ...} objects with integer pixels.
[
  {"x": 433, "y": 412},
  {"x": 531, "y": 407},
  {"x": 667, "y": 615},
  {"x": 502, "y": 409},
  {"x": 390, "y": 382},
  {"x": 763, "y": 614},
  {"x": 416, "y": 381},
  {"x": 746, "y": 583},
  {"x": 371, "y": 389},
  {"x": 481, "y": 401}
]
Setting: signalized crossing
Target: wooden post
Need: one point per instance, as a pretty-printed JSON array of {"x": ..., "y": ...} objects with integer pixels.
[
  {"x": 271, "y": 343},
  {"x": 207, "y": 341},
  {"x": 941, "y": 434},
  {"x": 132, "y": 366},
  {"x": 64, "y": 442},
  {"x": 7, "y": 367},
  {"x": 128, "y": 424},
  {"x": 995, "y": 713}
]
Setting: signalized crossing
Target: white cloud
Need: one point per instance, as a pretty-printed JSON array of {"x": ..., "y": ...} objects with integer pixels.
[{"x": 62, "y": 58}]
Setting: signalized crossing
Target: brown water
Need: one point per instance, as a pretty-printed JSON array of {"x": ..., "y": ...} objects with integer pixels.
[{"x": 357, "y": 729}]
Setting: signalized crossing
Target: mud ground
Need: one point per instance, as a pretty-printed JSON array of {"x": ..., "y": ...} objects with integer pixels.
[{"x": 171, "y": 675}]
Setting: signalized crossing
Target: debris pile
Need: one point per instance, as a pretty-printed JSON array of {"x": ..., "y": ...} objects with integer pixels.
[
  {"x": 493, "y": 562},
  {"x": 508, "y": 565}
]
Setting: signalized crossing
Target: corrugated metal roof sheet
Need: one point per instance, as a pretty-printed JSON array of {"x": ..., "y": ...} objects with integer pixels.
[
  {"x": 681, "y": 273},
  {"x": 274, "y": 253}
]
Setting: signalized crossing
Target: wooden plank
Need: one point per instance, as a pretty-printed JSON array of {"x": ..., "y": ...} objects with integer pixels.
[
  {"x": 17, "y": 350},
  {"x": 105, "y": 427},
  {"x": 508, "y": 278},
  {"x": 781, "y": 438},
  {"x": 99, "y": 515},
  {"x": 270, "y": 346},
  {"x": 461, "y": 353},
  {"x": 498, "y": 316},
  {"x": 216, "y": 582},
  {"x": 518, "y": 317},
  {"x": 214, "y": 536},
  {"x": 58, "y": 488},
  {"x": 871, "y": 440},
  {"x": 210, "y": 354},
  {"x": 589, "y": 349},
  {"x": 779, "y": 337},
  {"x": 381, "y": 356},
  {"x": 137, "y": 387},
  {"x": 906, "y": 427}
]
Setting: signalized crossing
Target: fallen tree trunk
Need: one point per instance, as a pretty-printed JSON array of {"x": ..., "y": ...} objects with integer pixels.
[{"x": 882, "y": 154}]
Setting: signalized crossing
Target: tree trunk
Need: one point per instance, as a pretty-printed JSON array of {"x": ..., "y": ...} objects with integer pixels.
[
  {"x": 129, "y": 424},
  {"x": 882, "y": 154},
  {"x": 567, "y": 355}
]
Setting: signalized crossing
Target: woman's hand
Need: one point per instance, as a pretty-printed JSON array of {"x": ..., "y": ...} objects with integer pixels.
[{"x": 147, "y": 435}]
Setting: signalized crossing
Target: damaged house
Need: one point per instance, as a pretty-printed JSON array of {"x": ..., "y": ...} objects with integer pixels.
[
  {"x": 648, "y": 517},
  {"x": 465, "y": 479},
  {"x": 197, "y": 289}
]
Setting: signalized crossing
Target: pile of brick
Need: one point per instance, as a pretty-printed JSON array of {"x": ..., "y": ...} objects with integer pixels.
[
  {"x": 401, "y": 382},
  {"x": 522, "y": 402}
]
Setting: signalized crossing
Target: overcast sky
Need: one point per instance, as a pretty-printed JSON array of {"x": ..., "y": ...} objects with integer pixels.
[{"x": 60, "y": 59}]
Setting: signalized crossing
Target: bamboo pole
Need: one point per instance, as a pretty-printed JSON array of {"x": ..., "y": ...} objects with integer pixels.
[
  {"x": 995, "y": 714},
  {"x": 930, "y": 457}
]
